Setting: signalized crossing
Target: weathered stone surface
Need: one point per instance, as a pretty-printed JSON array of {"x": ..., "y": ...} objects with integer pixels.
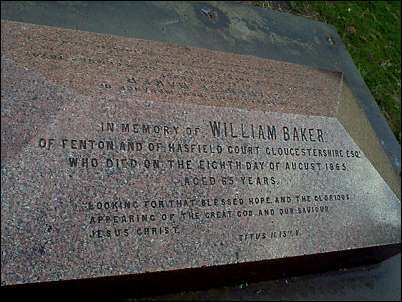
[{"x": 197, "y": 176}]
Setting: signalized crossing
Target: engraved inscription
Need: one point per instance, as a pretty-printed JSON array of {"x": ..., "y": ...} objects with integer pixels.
[{"x": 242, "y": 158}]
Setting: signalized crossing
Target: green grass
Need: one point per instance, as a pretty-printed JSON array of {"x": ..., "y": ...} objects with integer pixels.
[{"x": 371, "y": 32}]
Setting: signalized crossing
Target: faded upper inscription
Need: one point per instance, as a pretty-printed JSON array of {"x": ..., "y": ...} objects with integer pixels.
[{"x": 152, "y": 70}]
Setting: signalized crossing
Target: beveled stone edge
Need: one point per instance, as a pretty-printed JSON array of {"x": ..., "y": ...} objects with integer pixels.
[
  {"x": 368, "y": 141},
  {"x": 268, "y": 269}
]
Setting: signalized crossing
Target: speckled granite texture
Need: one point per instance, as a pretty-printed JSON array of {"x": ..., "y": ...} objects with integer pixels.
[
  {"x": 175, "y": 166},
  {"x": 152, "y": 70}
]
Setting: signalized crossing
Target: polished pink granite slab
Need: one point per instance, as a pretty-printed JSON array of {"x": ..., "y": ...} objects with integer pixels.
[{"x": 124, "y": 156}]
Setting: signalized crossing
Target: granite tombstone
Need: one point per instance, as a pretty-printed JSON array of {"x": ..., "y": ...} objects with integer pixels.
[{"x": 124, "y": 156}]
